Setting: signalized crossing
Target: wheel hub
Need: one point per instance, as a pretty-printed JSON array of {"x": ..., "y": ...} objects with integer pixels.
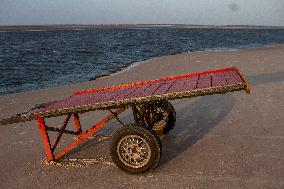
[{"x": 134, "y": 151}]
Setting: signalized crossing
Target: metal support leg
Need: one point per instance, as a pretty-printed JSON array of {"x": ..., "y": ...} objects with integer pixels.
[
  {"x": 45, "y": 139},
  {"x": 77, "y": 123},
  {"x": 85, "y": 135}
]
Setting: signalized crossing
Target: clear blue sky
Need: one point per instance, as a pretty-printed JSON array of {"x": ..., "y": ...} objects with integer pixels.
[{"x": 248, "y": 12}]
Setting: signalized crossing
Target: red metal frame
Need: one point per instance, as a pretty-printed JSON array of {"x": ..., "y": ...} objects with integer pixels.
[
  {"x": 82, "y": 136},
  {"x": 45, "y": 138},
  {"x": 71, "y": 110}
]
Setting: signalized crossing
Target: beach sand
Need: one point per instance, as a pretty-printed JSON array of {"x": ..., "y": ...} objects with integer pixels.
[{"x": 222, "y": 141}]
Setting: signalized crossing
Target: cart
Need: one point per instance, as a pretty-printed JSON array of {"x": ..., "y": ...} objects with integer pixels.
[{"x": 135, "y": 147}]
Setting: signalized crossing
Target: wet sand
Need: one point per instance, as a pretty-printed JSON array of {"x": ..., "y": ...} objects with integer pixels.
[{"x": 221, "y": 141}]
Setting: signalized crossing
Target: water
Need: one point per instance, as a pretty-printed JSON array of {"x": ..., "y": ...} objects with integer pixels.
[{"x": 39, "y": 59}]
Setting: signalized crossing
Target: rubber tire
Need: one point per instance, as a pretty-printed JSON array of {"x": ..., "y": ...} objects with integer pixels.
[
  {"x": 152, "y": 139},
  {"x": 172, "y": 119}
]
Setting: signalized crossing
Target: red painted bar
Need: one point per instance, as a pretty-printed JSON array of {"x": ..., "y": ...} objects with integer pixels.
[
  {"x": 59, "y": 135},
  {"x": 45, "y": 139},
  {"x": 77, "y": 123}
]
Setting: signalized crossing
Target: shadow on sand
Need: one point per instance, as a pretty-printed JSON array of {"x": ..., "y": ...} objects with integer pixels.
[
  {"x": 266, "y": 78},
  {"x": 195, "y": 120}
]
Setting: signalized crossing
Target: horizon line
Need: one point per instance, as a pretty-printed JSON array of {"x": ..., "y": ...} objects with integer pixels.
[{"x": 128, "y": 26}]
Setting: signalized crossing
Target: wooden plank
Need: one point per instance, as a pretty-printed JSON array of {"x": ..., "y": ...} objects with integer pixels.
[
  {"x": 212, "y": 82},
  {"x": 108, "y": 95},
  {"x": 97, "y": 96},
  {"x": 150, "y": 90},
  {"x": 177, "y": 86},
  {"x": 164, "y": 87},
  {"x": 190, "y": 83},
  {"x": 75, "y": 100},
  {"x": 86, "y": 99},
  {"x": 232, "y": 77},
  {"x": 218, "y": 79},
  {"x": 58, "y": 105},
  {"x": 139, "y": 91},
  {"x": 126, "y": 93},
  {"x": 204, "y": 81}
]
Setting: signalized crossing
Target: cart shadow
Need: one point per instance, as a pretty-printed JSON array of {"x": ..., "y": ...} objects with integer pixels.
[
  {"x": 194, "y": 121},
  {"x": 266, "y": 78}
]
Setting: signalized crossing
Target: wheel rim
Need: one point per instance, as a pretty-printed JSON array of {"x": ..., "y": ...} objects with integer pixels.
[{"x": 133, "y": 151}]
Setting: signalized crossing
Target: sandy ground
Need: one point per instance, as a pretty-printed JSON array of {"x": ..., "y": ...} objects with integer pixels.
[{"x": 221, "y": 141}]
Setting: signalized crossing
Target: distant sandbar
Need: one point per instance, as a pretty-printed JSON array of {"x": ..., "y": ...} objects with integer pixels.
[{"x": 127, "y": 26}]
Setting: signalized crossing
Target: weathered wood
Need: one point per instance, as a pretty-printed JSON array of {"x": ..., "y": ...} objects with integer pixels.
[{"x": 184, "y": 86}]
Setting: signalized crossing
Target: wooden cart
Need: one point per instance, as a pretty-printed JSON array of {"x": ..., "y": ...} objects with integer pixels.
[{"x": 135, "y": 147}]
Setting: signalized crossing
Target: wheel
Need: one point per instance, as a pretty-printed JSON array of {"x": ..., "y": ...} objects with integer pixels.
[
  {"x": 135, "y": 149},
  {"x": 159, "y": 116}
]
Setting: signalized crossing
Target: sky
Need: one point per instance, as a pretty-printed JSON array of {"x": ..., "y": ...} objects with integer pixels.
[{"x": 204, "y": 12}]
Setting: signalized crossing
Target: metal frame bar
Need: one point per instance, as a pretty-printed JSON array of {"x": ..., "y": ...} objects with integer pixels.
[
  {"x": 82, "y": 136},
  {"x": 45, "y": 138},
  {"x": 61, "y": 133}
]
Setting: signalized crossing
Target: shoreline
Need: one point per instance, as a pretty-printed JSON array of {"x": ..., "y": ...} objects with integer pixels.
[
  {"x": 127, "y": 68},
  {"x": 137, "y": 63},
  {"x": 126, "y": 26}
]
